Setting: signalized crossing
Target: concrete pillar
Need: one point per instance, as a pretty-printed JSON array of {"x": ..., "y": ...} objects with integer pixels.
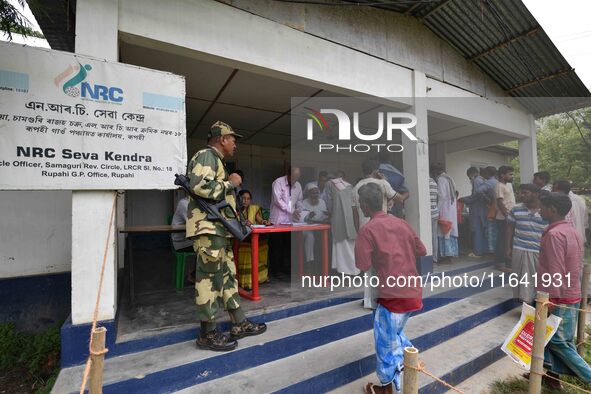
[
  {"x": 96, "y": 35},
  {"x": 528, "y": 154},
  {"x": 416, "y": 166},
  {"x": 120, "y": 219}
]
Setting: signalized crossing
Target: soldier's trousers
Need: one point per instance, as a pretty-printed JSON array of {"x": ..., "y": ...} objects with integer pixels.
[{"x": 215, "y": 276}]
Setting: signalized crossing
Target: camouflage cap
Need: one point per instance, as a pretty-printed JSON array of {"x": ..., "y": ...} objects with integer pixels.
[{"x": 220, "y": 128}]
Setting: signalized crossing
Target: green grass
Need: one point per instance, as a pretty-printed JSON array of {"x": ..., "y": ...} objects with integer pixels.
[
  {"x": 519, "y": 385},
  {"x": 509, "y": 386},
  {"x": 30, "y": 360}
]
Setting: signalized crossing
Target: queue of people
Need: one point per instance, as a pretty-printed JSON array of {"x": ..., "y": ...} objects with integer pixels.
[
  {"x": 544, "y": 233},
  {"x": 491, "y": 209}
]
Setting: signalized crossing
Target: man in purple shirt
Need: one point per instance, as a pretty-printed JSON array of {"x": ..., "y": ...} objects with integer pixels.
[
  {"x": 286, "y": 198},
  {"x": 561, "y": 261}
]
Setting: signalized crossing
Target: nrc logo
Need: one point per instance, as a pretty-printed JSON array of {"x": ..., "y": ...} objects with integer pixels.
[
  {"x": 73, "y": 83},
  {"x": 391, "y": 120},
  {"x": 101, "y": 92}
]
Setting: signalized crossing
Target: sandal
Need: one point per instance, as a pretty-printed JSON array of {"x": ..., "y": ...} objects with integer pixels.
[
  {"x": 372, "y": 388},
  {"x": 368, "y": 389}
]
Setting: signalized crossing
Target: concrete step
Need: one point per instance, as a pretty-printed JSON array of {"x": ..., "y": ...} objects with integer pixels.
[
  {"x": 504, "y": 368},
  {"x": 456, "y": 359},
  {"x": 325, "y": 367},
  {"x": 315, "y": 299},
  {"x": 181, "y": 365},
  {"x": 136, "y": 366}
]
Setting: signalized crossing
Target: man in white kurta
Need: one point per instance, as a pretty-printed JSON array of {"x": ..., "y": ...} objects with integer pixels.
[
  {"x": 448, "y": 213},
  {"x": 340, "y": 205},
  {"x": 314, "y": 211}
]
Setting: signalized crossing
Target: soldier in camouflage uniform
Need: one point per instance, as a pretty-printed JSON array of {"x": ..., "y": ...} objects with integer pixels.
[{"x": 215, "y": 278}]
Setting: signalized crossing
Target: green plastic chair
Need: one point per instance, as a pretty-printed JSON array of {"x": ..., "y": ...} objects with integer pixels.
[{"x": 180, "y": 263}]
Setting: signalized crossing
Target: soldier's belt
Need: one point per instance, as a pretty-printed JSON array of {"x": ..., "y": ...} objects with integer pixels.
[{"x": 213, "y": 209}]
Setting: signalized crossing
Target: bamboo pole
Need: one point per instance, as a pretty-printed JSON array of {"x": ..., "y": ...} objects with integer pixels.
[
  {"x": 410, "y": 383},
  {"x": 582, "y": 314},
  {"x": 537, "y": 354},
  {"x": 97, "y": 360}
]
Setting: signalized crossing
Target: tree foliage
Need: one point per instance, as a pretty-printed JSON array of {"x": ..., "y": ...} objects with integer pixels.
[
  {"x": 12, "y": 20},
  {"x": 564, "y": 147}
]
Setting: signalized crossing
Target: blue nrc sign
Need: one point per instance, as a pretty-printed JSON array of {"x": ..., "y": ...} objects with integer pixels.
[{"x": 101, "y": 92}]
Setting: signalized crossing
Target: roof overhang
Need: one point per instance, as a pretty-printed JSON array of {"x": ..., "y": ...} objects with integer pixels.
[
  {"x": 501, "y": 37},
  {"x": 502, "y": 150},
  {"x": 507, "y": 43},
  {"x": 57, "y": 20}
]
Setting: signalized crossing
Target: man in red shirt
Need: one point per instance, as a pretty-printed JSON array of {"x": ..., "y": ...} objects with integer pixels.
[
  {"x": 390, "y": 246},
  {"x": 559, "y": 274}
]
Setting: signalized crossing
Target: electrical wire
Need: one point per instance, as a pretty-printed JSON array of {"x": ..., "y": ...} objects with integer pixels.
[
  {"x": 575, "y": 38},
  {"x": 575, "y": 34},
  {"x": 504, "y": 27}
]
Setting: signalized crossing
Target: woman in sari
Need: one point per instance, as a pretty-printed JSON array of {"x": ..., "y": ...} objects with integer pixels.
[
  {"x": 252, "y": 212},
  {"x": 254, "y": 216}
]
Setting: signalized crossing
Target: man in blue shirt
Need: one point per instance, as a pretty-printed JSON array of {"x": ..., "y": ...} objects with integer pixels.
[
  {"x": 396, "y": 179},
  {"x": 477, "y": 203}
]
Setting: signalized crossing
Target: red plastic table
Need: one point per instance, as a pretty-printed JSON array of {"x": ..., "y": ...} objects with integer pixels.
[{"x": 256, "y": 231}]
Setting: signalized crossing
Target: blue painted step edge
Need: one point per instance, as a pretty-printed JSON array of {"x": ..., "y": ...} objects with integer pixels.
[
  {"x": 463, "y": 372},
  {"x": 74, "y": 338},
  {"x": 201, "y": 371},
  {"x": 358, "y": 369},
  {"x": 71, "y": 335},
  {"x": 152, "y": 342}
]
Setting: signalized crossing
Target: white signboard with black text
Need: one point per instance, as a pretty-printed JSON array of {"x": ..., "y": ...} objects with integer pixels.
[{"x": 74, "y": 122}]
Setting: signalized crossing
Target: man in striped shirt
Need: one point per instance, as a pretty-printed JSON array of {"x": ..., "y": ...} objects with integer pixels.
[{"x": 525, "y": 226}]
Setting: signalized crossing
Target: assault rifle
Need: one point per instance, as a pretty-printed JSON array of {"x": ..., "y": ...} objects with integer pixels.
[{"x": 235, "y": 225}]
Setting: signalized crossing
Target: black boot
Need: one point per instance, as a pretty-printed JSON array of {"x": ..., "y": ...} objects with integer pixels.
[
  {"x": 247, "y": 329},
  {"x": 214, "y": 340}
]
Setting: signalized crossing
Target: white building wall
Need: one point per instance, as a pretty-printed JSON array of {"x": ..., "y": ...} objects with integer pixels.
[
  {"x": 226, "y": 35},
  {"x": 294, "y": 42},
  {"x": 35, "y": 232},
  {"x": 391, "y": 36},
  {"x": 276, "y": 43},
  {"x": 458, "y": 163}
]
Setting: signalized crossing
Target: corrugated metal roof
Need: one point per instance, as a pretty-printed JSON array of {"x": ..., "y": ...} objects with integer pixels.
[
  {"x": 57, "y": 20},
  {"x": 501, "y": 37},
  {"x": 505, "y": 41}
]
